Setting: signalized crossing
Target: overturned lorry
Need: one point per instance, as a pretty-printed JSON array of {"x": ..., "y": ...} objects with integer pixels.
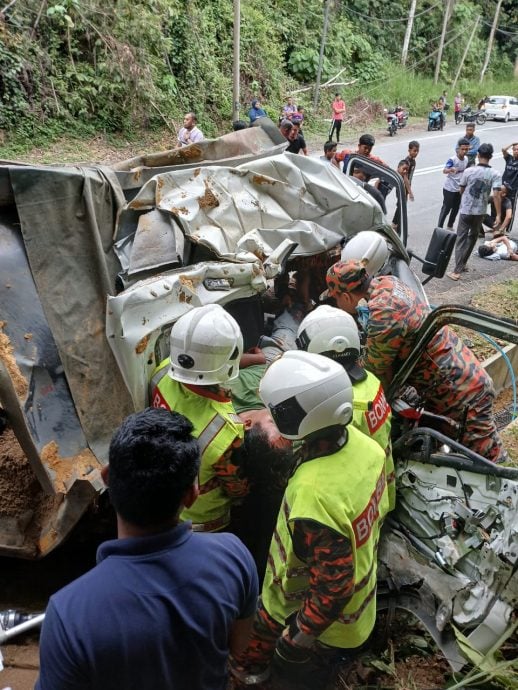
[{"x": 97, "y": 264}]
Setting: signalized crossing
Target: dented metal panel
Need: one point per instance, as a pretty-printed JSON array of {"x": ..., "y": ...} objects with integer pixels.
[
  {"x": 456, "y": 529},
  {"x": 138, "y": 320}
]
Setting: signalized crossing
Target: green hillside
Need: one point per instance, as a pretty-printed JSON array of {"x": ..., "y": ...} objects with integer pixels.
[{"x": 123, "y": 65}]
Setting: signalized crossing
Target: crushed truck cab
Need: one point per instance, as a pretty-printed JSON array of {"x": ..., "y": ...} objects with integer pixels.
[{"x": 97, "y": 264}]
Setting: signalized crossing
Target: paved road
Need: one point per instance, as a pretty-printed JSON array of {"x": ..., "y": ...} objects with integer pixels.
[{"x": 436, "y": 148}]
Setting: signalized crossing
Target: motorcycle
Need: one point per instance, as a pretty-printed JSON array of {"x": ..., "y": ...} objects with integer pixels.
[
  {"x": 435, "y": 120},
  {"x": 396, "y": 119},
  {"x": 467, "y": 114}
]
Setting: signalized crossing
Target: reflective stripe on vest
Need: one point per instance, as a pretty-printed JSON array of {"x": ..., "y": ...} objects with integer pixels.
[
  {"x": 216, "y": 427},
  {"x": 346, "y": 492},
  {"x": 373, "y": 416}
]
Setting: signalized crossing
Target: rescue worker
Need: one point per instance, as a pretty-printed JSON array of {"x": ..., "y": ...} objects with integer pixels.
[
  {"x": 333, "y": 333},
  {"x": 448, "y": 377},
  {"x": 370, "y": 248},
  {"x": 205, "y": 348},
  {"x": 319, "y": 594}
]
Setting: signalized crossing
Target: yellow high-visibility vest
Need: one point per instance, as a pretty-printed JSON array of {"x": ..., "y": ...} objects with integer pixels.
[
  {"x": 216, "y": 426},
  {"x": 347, "y": 492}
]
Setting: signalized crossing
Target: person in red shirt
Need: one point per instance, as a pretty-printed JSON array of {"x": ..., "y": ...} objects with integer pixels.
[
  {"x": 365, "y": 146},
  {"x": 338, "y": 108}
]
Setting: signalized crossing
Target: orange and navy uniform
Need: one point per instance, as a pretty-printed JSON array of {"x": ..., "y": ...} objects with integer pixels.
[{"x": 448, "y": 377}]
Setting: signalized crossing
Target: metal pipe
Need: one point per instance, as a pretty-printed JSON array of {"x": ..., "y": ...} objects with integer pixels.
[{"x": 34, "y": 622}]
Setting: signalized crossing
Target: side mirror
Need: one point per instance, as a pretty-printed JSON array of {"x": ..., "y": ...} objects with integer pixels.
[{"x": 438, "y": 253}]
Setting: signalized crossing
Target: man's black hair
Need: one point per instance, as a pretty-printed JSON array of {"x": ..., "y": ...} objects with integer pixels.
[
  {"x": 261, "y": 463},
  {"x": 414, "y": 144},
  {"x": 239, "y": 124},
  {"x": 153, "y": 461},
  {"x": 403, "y": 161},
  {"x": 329, "y": 146},
  {"x": 367, "y": 140},
  {"x": 484, "y": 250},
  {"x": 485, "y": 151},
  {"x": 463, "y": 142}
]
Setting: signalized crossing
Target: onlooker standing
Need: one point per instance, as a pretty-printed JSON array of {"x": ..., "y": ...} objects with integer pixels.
[
  {"x": 338, "y": 108},
  {"x": 163, "y": 606},
  {"x": 189, "y": 133},
  {"x": 298, "y": 116},
  {"x": 256, "y": 111},
  {"x": 364, "y": 148},
  {"x": 329, "y": 153},
  {"x": 413, "y": 152},
  {"x": 475, "y": 188},
  {"x": 288, "y": 109},
  {"x": 297, "y": 141},
  {"x": 511, "y": 169},
  {"x": 457, "y": 105},
  {"x": 285, "y": 128},
  {"x": 402, "y": 168},
  {"x": 453, "y": 170},
  {"x": 474, "y": 143}
]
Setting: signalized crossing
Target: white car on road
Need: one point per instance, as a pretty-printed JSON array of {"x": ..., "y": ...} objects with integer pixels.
[{"x": 502, "y": 108}]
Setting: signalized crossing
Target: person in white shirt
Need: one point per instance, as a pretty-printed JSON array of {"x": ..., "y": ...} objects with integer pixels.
[
  {"x": 189, "y": 133},
  {"x": 500, "y": 247},
  {"x": 453, "y": 170}
]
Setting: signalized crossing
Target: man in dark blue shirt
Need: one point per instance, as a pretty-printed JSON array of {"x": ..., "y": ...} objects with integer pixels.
[{"x": 163, "y": 606}]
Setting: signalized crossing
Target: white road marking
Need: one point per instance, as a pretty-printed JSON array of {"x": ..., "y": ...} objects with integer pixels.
[{"x": 435, "y": 168}]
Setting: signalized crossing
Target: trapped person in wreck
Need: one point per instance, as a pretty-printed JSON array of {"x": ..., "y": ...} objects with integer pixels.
[
  {"x": 164, "y": 605},
  {"x": 448, "y": 377},
  {"x": 318, "y": 600}
]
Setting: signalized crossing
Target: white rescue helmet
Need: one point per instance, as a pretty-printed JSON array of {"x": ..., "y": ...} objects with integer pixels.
[
  {"x": 328, "y": 329},
  {"x": 306, "y": 392},
  {"x": 369, "y": 247},
  {"x": 205, "y": 346}
]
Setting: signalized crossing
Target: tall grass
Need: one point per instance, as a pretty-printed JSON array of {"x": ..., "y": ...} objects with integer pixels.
[{"x": 414, "y": 92}]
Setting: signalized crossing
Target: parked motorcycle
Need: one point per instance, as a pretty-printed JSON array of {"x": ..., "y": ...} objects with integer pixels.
[
  {"x": 467, "y": 114},
  {"x": 435, "y": 120},
  {"x": 396, "y": 119}
]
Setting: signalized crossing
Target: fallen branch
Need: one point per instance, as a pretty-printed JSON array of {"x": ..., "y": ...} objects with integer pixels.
[
  {"x": 331, "y": 82},
  {"x": 172, "y": 129},
  {"x": 7, "y": 7},
  {"x": 38, "y": 17}
]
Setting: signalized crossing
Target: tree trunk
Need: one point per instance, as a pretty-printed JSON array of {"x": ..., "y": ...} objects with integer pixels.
[
  {"x": 466, "y": 49},
  {"x": 490, "y": 41},
  {"x": 447, "y": 14},
  {"x": 321, "y": 56},
  {"x": 408, "y": 32},
  {"x": 236, "y": 65}
]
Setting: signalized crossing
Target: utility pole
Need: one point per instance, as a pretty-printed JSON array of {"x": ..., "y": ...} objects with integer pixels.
[
  {"x": 466, "y": 49},
  {"x": 321, "y": 56},
  {"x": 408, "y": 32},
  {"x": 236, "y": 64},
  {"x": 490, "y": 41},
  {"x": 447, "y": 14}
]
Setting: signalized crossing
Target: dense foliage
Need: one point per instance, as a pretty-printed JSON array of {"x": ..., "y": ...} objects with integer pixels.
[{"x": 125, "y": 63}]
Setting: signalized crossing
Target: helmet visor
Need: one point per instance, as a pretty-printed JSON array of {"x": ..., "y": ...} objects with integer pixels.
[{"x": 288, "y": 416}]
